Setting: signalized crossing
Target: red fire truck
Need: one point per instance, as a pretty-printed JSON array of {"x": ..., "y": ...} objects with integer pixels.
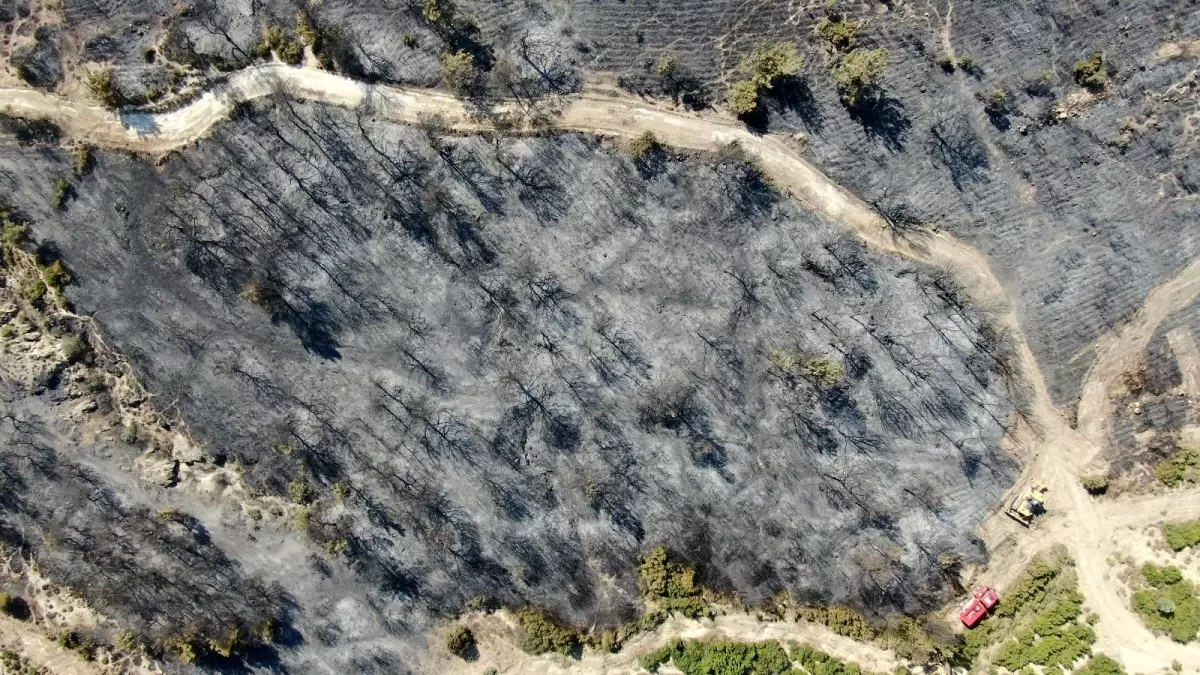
[{"x": 981, "y": 602}]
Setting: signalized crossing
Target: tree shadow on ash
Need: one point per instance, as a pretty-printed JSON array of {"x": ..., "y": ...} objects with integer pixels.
[
  {"x": 793, "y": 94},
  {"x": 313, "y": 325},
  {"x": 883, "y": 119}
]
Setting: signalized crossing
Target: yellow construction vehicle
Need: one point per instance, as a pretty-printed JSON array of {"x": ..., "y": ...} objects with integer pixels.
[{"x": 1029, "y": 503}]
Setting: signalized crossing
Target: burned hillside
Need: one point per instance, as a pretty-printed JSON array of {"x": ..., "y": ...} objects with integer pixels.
[{"x": 487, "y": 366}]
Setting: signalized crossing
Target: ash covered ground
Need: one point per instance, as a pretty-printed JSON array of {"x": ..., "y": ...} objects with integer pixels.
[
  {"x": 1081, "y": 212},
  {"x": 530, "y": 361}
]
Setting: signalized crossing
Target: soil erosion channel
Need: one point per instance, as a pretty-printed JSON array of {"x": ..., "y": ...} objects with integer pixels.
[{"x": 1056, "y": 452}]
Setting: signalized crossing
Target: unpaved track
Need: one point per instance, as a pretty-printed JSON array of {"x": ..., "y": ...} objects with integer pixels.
[{"x": 1059, "y": 453}]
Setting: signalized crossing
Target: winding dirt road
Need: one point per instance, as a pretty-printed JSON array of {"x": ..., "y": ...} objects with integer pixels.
[{"x": 1059, "y": 452}]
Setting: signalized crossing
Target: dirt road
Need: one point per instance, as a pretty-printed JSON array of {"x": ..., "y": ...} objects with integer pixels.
[{"x": 1058, "y": 452}]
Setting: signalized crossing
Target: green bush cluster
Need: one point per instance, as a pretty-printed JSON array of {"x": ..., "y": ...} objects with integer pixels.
[
  {"x": 440, "y": 13},
  {"x": 670, "y": 585},
  {"x": 764, "y": 67},
  {"x": 1032, "y": 588},
  {"x": 15, "y": 234},
  {"x": 644, "y": 144},
  {"x": 74, "y": 349},
  {"x": 824, "y": 371},
  {"x": 840, "y": 33},
  {"x": 103, "y": 87},
  {"x": 542, "y": 633},
  {"x": 1062, "y": 648},
  {"x": 1181, "y": 467},
  {"x": 817, "y": 662},
  {"x": 287, "y": 48},
  {"x": 841, "y": 620},
  {"x": 908, "y": 638},
  {"x": 1182, "y": 535},
  {"x": 1169, "y": 606},
  {"x": 1089, "y": 72},
  {"x": 461, "y": 642},
  {"x": 1100, "y": 665},
  {"x": 717, "y": 657},
  {"x": 62, "y": 192},
  {"x": 857, "y": 76},
  {"x": 612, "y": 640},
  {"x": 35, "y": 291},
  {"x": 659, "y": 577},
  {"x": 1054, "y": 638}
]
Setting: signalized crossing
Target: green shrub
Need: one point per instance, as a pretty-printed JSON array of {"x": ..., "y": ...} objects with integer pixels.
[
  {"x": 127, "y": 641},
  {"x": 103, "y": 87},
  {"x": 1095, "y": 484},
  {"x": 1169, "y": 606},
  {"x": 908, "y": 638},
  {"x": 458, "y": 70},
  {"x": 57, "y": 275},
  {"x": 461, "y": 642},
  {"x": 819, "y": 663},
  {"x": 644, "y": 144},
  {"x": 1181, "y": 467},
  {"x": 84, "y": 160},
  {"x": 307, "y": 30},
  {"x": 441, "y": 13},
  {"x": 1182, "y": 535},
  {"x": 1089, "y": 72},
  {"x": 825, "y": 372},
  {"x": 301, "y": 491},
  {"x": 541, "y": 633},
  {"x": 996, "y": 103},
  {"x": 718, "y": 657},
  {"x": 15, "y": 234},
  {"x": 129, "y": 435},
  {"x": 1032, "y": 587},
  {"x": 410, "y": 40},
  {"x": 838, "y": 32},
  {"x": 62, "y": 192},
  {"x": 769, "y": 62},
  {"x": 287, "y": 48},
  {"x": 35, "y": 291},
  {"x": 841, "y": 620},
  {"x": 1161, "y": 577},
  {"x": 7, "y": 604},
  {"x": 1100, "y": 665},
  {"x": 1061, "y": 647},
  {"x": 743, "y": 97},
  {"x": 858, "y": 75},
  {"x": 658, "y": 577}
]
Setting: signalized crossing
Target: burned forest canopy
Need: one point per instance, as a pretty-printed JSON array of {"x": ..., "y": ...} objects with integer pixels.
[{"x": 518, "y": 364}]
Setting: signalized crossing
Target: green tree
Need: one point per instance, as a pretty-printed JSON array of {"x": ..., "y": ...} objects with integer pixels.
[
  {"x": 458, "y": 70},
  {"x": 858, "y": 75},
  {"x": 764, "y": 67},
  {"x": 743, "y": 97}
]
